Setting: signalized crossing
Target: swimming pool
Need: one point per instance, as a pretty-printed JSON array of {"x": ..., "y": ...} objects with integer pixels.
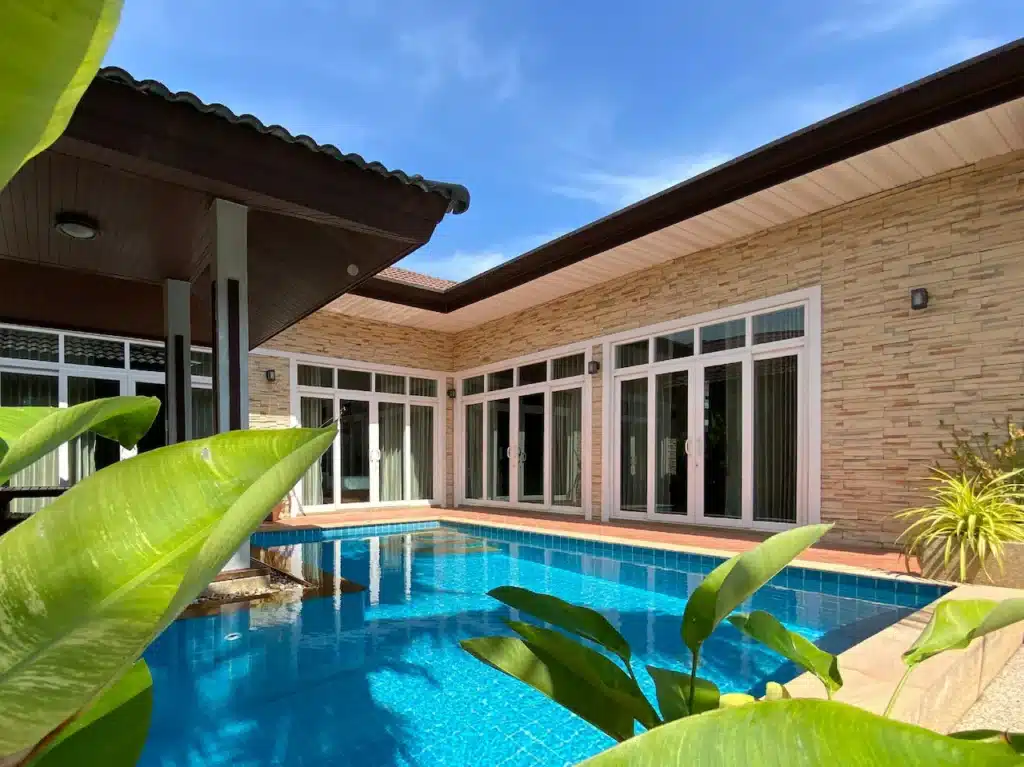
[{"x": 376, "y": 677}]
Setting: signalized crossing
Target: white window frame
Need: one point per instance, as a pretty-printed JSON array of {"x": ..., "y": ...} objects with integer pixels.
[
  {"x": 373, "y": 397},
  {"x": 547, "y": 387},
  {"x": 808, "y": 350}
]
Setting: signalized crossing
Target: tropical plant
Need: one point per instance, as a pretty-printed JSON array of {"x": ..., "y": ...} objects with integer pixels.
[
  {"x": 971, "y": 518},
  {"x": 697, "y": 724},
  {"x": 980, "y": 455},
  {"x": 91, "y": 579},
  {"x": 50, "y": 53}
]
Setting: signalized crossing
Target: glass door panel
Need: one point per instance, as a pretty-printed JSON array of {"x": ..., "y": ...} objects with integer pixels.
[
  {"x": 723, "y": 441},
  {"x": 318, "y": 481},
  {"x": 421, "y": 452},
  {"x": 89, "y": 452},
  {"x": 531, "y": 448},
  {"x": 775, "y": 439},
  {"x": 391, "y": 421},
  {"x": 354, "y": 450},
  {"x": 671, "y": 470},
  {"x": 633, "y": 445},
  {"x": 157, "y": 434},
  {"x": 499, "y": 447},
  {"x": 31, "y": 390},
  {"x": 203, "y": 414},
  {"x": 567, "y": 447},
  {"x": 474, "y": 479}
]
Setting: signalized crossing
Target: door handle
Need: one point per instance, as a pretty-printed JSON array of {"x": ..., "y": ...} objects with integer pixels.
[{"x": 686, "y": 446}]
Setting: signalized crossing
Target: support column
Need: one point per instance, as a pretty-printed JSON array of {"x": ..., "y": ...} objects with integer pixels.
[
  {"x": 230, "y": 285},
  {"x": 178, "y": 356}
]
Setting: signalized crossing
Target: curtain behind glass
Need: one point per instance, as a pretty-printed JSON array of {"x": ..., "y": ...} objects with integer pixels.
[
  {"x": 318, "y": 481},
  {"x": 31, "y": 390},
  {"x": 671, "y": 393},
  {"x": 775, "y": 439},
  {"x": 392, "y": 450},
  {"x": 567, "y": 447},
  {"x": 421, "y": 438},
  {"x": 474, "y": 451},
  {"x": 498, "y": 442},
  {"x": 633, "y": 445},
  {"x": 88, "y": 453},
  {"x": 723, "y": 440},
  {"x": 203, "y": 416}
]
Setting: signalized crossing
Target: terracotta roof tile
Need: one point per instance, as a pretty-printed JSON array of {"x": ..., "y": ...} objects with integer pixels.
[{"x": 397, "y": 274}]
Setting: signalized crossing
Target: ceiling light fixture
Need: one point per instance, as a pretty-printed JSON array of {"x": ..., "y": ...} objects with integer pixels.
[{"x": 77, "y": 226}]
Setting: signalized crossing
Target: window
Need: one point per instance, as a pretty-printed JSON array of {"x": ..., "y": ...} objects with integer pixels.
[
  {"x": 202, "y": 363},
  {"x": 313, "y": 375},
  {"x": 422, "y": 387},
  {"x": 19, "y": 389},
  {"x": 389, "y": 384},
  {"x": 724, "y": 335},
  {"x": 502, "y": 379},
  {"x": 674, "y": 346},
  {"x": 318, "y": 481},
  {"x": 779, "y": 326},
  {"x": 776, "y": 409},
  {"x": 79, "y": 350},
  {"x": 145, "y": 357},
  {"x": 474, "y": 385},
  {"x": 631, "y": 354},
  {"x": 28, "y": 345},
  {"x": 354, "y": 380},
  {"x": 567, "y": 367},
  {"x": 535, "y": 373}
]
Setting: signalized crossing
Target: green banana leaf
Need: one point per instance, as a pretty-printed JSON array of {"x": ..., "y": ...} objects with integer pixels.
[
  {"x": 51, "y": 51},
  {"x": 111, "y": 732},
  {"x": 89, "y": 581},
  {"x": 1014, "y": 740},
  {"x": 673, "y": 690},
  {"x": 767, "y": 630},
  {"x": 725, "y": 587},
  {"x": 956, "y": 623},
  {"x": 531, "y": 665},
  {"x": 799, "y": 733},
  {"x": 29, "y": 433},
  {"x": 592, "y": 668},
  {"x": 581, "y": 621}
]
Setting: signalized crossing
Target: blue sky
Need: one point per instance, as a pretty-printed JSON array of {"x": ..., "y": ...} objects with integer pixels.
[{"x": 552, "y": 113}]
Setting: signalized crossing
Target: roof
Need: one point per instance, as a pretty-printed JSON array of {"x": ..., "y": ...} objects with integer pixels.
[
  {"x": 969, "y": 88},
  {"x": 456, "y": 194},
  {"x": 417, "y": 279}
]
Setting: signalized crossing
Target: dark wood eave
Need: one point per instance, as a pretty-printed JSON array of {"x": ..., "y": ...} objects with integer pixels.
[{"x": 986, "y": 81}]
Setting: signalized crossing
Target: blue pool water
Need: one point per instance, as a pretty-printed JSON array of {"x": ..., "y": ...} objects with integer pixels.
[{"x": 376, "y": 677}]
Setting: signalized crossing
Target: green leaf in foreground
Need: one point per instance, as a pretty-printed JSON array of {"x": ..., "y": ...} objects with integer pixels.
[
  {"x": 532, "y": 665},
  {"x": 112, "y": 731},
  {"x": 166, "y": 522},
  {"x": 725, "y": 587},
  {"x": 955, "y": 623},
  {"x": 767, "y": 630},
  {"x": 51, "y": 51},
  {"x": 673, "y": 689},
  {"x": 1014, "y": 740},
  {"x": 29, "y": 433},
  {"x": 581, "y": 621},
  {"x": 799, "y": 733}
]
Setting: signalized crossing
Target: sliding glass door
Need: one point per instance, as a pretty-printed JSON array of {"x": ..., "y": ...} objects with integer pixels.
[
  {"x": 530, "y": 450},
  {"x": 499, "y": 450}
]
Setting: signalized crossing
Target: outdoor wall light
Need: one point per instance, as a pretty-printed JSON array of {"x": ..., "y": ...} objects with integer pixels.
[
  {"x": 919, "y": 298},
  {"x": 77, "y": 226},
  {"x": 452, "y": 394},
  {"x": 271, "y": 375},
  {"x": 593, "y": 367}
]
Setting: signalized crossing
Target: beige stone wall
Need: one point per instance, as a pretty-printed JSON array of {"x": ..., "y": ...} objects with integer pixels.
[
  {"x": 889, "y": 374},
  {"x": 269, "y": 403}
]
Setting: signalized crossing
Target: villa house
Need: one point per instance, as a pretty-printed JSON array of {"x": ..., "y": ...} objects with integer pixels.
[{"x": 772, "y": 343}]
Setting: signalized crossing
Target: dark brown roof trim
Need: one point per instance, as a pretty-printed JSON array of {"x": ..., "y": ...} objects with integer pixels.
[{"x": 980, "y": 83}]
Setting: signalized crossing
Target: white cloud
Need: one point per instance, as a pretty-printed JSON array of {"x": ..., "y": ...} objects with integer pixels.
[
  {"x": 463, "y": 264},
  {"x": 616, "y": 190},
  {"x": 872, "y": 18}
]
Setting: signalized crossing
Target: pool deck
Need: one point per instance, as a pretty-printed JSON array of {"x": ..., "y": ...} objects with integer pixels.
[{"x": 689, "y": 537}]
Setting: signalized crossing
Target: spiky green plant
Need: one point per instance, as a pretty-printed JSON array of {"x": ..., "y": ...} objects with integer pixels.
[{"x": 972, "y": 518}]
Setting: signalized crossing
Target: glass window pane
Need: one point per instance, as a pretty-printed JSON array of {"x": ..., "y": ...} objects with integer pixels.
[
  {"x": 674, "y": 346},
  {"x": 28, "y": 345},
  {"x": 671, "y": 419},
  {"x": 202, "y": 363},
  {"x": 724, "y": 335},
  {"x": 633, "y": 445},
  {"x": 567, "y": 367},
  {"x": 389, "y": 384},
  {"x": 391, "y": 419},
  {"x": 203, "y": 417},
  {"x": 423, "y": 387},
  {"x": 723, "y": 440},
  {"x": 93, "y": 351},
  {"x": 318, "y": 481},
  {"x": 144, "y": 357},
  {"x": 498, "y": 444},
  {"x": 775, "y": 439},
  {"x": 630, "y": 354},
  {"x": 421, "y": 456},
  {"x": 30, "y": 390},
  {"x": 531, "y": 448},
  {"x": 780, "y": 325},
  {"x": 89, "y": 452},
  {"x": 354, "y": 438},
  {"x": 535, "y": 373},
  {"x": 356, "y": 380},
  {"x": 567, "y": 447},
  {"x": 474, "y": 485},
  {"x": 314, "y": 375},
  {"x": 502, "y": 379},
  {"x": 474, "y": 385}
]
